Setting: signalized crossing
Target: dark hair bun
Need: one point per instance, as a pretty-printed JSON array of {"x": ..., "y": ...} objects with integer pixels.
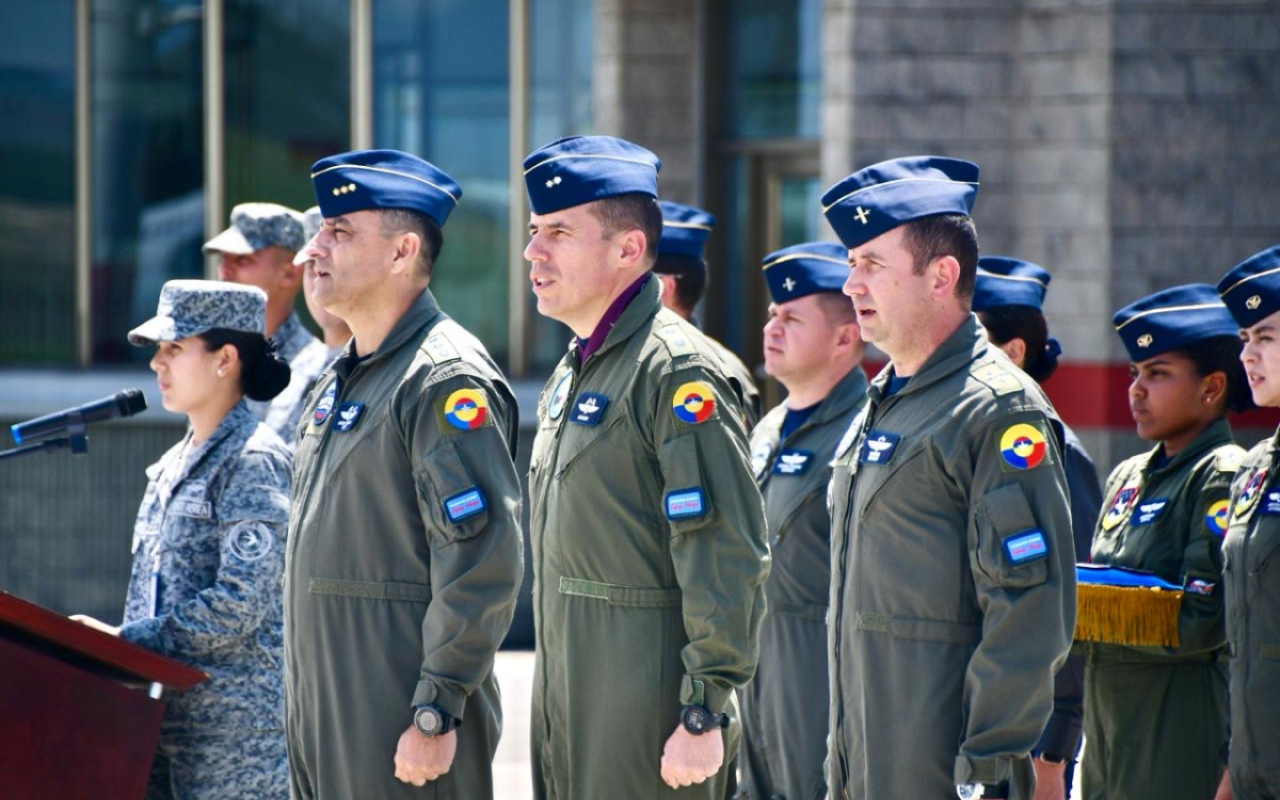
[{"x": 268, "y": 377}]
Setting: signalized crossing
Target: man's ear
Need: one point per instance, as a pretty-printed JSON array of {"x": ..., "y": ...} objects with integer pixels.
[
  {"x": 633, "y": 248},
  {"x": 408, "y": 246},
  {"x": 944, "y": 273}
]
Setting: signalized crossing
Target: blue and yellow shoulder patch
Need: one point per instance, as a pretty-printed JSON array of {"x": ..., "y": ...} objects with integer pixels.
[
  {"x": 997, "y": 378},
  {"x": 466, "y": 409},
  {"x": 693, "y": 403},
  {"x": 1218, "y": 517},
  {"x": 1023, "y": 446}
]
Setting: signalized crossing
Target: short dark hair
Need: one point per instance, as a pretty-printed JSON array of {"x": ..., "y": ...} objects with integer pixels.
[
  {"x": 939, "y": 235},
  {"x": 836, "y": 307},
  {"x": 690, "y": 274},
  {"x": 633, "y": 211},
  {"x": 1222, "y": 354},
  {"x": 1006, "y": 323},
  {"x": 407, "y": 220}
]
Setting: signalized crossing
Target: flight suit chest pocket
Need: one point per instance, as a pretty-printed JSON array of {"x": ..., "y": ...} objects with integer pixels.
[
  {"x": 585, "y": 443},
  {"x": 1012, "y": 550},
  {"x": 449, "y": 496},
  {"x": 1264, "y": 543}
]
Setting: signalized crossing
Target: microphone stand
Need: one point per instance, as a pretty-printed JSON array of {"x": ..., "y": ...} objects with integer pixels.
[{"x": 75, "y": 438}]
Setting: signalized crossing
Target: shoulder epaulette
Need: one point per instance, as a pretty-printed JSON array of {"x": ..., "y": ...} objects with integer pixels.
[
  {"x": 1229, "y": 458},
  {"x": 439, "y": 347},
  {"x": 676, "y": 340},
  {"x": 997, "y": 378}
]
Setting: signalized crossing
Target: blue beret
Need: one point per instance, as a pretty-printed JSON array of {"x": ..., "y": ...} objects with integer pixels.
[
  {"x": 578, "y": 169},
  {"x": 372, "y": 179},
  {"x": 883, "y": 196},
  {"x": 806, "y": 269},
  {"x": 1251, "y": 289},
  {"x": 1006, "y": 281},
  {"x": 684, "y": 230},
  {"x": 1172, "y": 318}
]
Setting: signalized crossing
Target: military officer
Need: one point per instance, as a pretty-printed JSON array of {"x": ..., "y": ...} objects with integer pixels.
[
  {"x": 1165, "y": 514},
  {"x": 208, "y": 546},
  {"x": 682, "y": 268},
  {"x": 952, "y": 587},
  {"x": 1251, "y": 569},
  {"x": 1007, "y": 297},
  {"x": 258, "y": 250},
  {"x": 647, "y": 528},
  {"x": 406, "y": 553},
  {"x": 813, "y": 348}
]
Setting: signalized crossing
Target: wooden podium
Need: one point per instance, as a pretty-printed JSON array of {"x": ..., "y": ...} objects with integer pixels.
[{"x": 76, "y": 720}]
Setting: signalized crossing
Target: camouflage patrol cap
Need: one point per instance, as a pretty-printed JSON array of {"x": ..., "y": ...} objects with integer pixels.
[
  {"x": 258, "y": 225},
  {"x": 311, "y": 221},
  {"x": 188, "y": 308}
]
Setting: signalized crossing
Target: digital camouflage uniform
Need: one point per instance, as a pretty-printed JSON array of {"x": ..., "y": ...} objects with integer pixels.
[
  {"x": 208, "y": 554},
  {"x": 649, "y": 558},
  {"x": 307, "y": 357},
  {"x": 1251, "y": 569},
  {"x": 953, "y": 583},
  {"x": 1156, "y": 718},
  {"x": 784, "y": 732},
  {"x": 404, "y": 562}
]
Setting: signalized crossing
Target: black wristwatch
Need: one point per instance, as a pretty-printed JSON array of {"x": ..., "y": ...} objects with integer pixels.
[
  {"x": 431, "y": 720},
  {"x": 1047, "y": 757},
  {"x": 698, "y": 720}
]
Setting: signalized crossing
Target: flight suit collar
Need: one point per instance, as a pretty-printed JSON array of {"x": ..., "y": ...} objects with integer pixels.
[
  {"x": 1214, "y": 436},
  {"x": 844, "y": 396},
  {"x": 424, "y": 311},
  {"x": 639, "y": 311},
  {"x": 967, "y": 344}
]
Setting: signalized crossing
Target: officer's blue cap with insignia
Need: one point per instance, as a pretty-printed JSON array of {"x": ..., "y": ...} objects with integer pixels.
[
  {"x": 804, "y": 269},
  {"x": 1004, "y": 281},
  {"x": 578, "y": 169},
  {"x": 684, "y": 230},
  {"x": 1173, "y": 318},
  {"x": 188, "y": 308},
  {"x": 258, "y": 225},
  {"x": 1251, "y": 289},
  {"x": 371, "y": 179},
  {"x": 883, "y": 196}
]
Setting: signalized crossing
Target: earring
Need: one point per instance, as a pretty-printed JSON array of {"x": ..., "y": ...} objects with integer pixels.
[{"x": 222, "y": 373}]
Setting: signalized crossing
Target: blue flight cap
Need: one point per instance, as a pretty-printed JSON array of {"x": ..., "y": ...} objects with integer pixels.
[
  {"x": 371, "y": 179},
  {"x": 1251, "y": 289},
  {"x": 578, "y": 169},
  {"x": 806, "y": 269},
  {"x": 1004, "y": 281},
  {"x": 684, "y": 230},
  {"x": 883, "y": 196},
  {"x": 1173, "y": 318}
]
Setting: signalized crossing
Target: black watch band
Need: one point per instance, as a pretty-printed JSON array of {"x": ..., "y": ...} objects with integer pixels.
[
  {"x": 698, "y": 720},
  {"x": 1047, "y": 757},
  {"x": 431, "y": 720}
]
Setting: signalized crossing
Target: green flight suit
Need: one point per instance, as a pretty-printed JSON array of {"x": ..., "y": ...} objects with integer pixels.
[
  {"x": 1251, "y": 568},
  {"x": 1155, "y": 718},
  {"x": 650, "y": 556},
  {"x": 784, "y": 708},
  {"x": 953, "y": 579},
  {"x": 404, "y": 560},
  {"x": 740, "y": 378}
]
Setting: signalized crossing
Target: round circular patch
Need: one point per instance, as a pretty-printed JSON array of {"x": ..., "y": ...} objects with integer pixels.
[
  {"x": 1218, "y": 516},
  {"x": 1023, "y": 446},
  {"x": 560, "y": 396},
  {"x": 249, "y": 541},
  {"x": 325, "y": 405},
  {"x": 694, "y": 402},
  {"x": 1252, "y": 491},
  {"x": 466, "y": 409}
]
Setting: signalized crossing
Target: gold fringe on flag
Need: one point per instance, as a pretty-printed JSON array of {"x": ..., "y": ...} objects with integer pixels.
[{"x": 1131, "y": 615}]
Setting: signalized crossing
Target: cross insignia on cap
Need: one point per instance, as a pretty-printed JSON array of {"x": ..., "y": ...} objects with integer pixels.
[
  {"x": 789, "y": 284},
  {"x": 553, "y": 181},
  {"x": 862, "y": 215},
  {"x": 1253, "y": 302},
  {"x": 1145, "y": 340}
]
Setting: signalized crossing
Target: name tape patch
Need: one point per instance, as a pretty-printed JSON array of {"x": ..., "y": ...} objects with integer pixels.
[
  {"x": 1026, "y": 547},
  {"x": 792, "y": 462},
  {"x": 348, "y": 416},
  {"x": 1200, "y": 587},
  {"x": 1270, "y": 504},
  {"x": 588, "y": 409},
  {"x": 686, "y": 503},
  {"x": 464, "y": 505},
  {"x": 1150, "y": 511},
  {"x": 878, "y": 447}
]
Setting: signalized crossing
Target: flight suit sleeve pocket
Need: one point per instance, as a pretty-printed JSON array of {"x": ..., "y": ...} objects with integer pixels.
[
  {"x": 1012, "y": 550},
  {"x": 453, "y": 504},
  {"x": 686, "y": 501}
]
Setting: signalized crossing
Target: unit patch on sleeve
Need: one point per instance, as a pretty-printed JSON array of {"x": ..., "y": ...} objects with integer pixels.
[
  {"x": 1023, "y": 445},
  {"x": 1026, "y": 547},
  {"x": 879, "y": 447},
  {"x": 249, "y": 541},
  {"x": 464, "y": 504},
  {"x": 1217, "y": 517},
  {"x": 347, "y": 417},
  {"x": 466, "y": 409},
  {"x": 588, "y": 409},
  {"x": 1200, "y": 587},
  {"x": 792, "y": 462},
  {"x": 693, "y": 403},
  {"x": 686, "y": 503}
]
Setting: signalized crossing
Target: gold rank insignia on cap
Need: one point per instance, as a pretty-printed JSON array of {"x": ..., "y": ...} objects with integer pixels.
[
  {"x": 1145, "y": 340},
  {"x": 1253, "y": 302},
  {"x": 350, "y": 187}
]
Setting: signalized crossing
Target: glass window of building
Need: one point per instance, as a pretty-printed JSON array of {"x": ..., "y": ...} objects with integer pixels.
[{"x": 37, "y": 196}]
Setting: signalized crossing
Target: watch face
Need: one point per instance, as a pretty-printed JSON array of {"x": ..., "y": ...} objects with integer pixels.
[
  {"x": 969, "y": 791},
  {"x": 427, "y": 721},
  {"x": 696, "y": 719}
]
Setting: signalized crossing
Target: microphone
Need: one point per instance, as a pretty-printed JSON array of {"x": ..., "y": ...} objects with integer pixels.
[{"x": 120, "y": 404}]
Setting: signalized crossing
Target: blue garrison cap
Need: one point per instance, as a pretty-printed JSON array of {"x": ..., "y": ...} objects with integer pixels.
[
  {"x": 684, "y": 230},
  {"x": 806, "y": 269},
  {"x": 1251, "y": 289},
  {"x": 372, "y": 179},
  {"x": 1006, "y": 281},
  {"x": 883, "y": 196},
  {"x": 1173, "y": 318},
  {"x": 578, "y": 169}
]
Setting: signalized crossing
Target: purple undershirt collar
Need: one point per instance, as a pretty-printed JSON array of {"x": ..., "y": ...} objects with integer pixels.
[{"x": 611, "y": 316}]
